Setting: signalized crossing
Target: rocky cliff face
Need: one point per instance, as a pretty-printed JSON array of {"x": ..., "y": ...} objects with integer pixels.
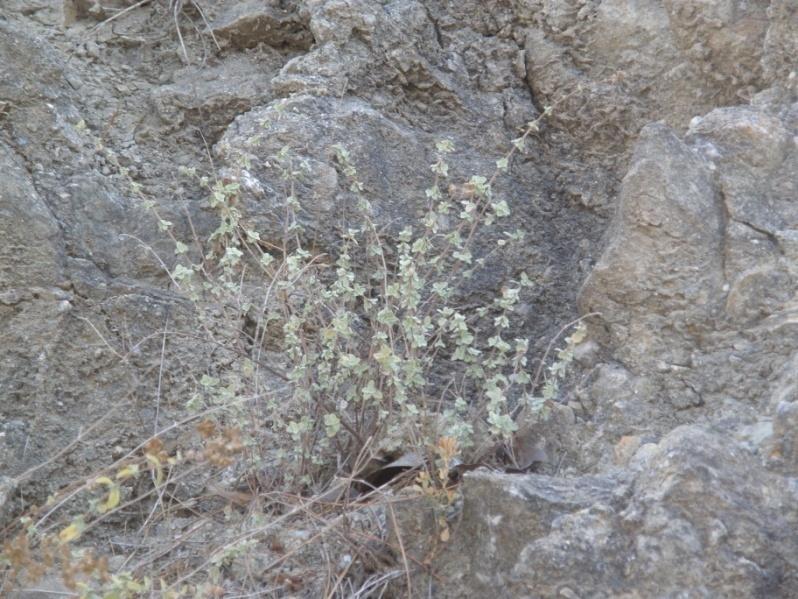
[{"x": 662, "y": 194}]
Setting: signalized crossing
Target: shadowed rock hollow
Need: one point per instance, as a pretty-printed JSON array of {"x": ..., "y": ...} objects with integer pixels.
[{"x": 662, "y": 193}]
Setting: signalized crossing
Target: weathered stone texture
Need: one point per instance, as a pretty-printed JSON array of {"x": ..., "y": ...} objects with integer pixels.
[
  {"x": 661, "y": 192},
  {"x": 692, "y": 516}
]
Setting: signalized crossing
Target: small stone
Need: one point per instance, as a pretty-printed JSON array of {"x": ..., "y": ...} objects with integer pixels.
[{"x": 586, "y": 354}]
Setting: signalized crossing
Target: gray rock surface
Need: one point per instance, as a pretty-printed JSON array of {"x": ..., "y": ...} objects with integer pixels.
[
  {"x": 81, "y": 296},
  {"x": 660, "y": 192},
  {"x": 692, "y": 516},
  {"x": 249, "y": 23}
]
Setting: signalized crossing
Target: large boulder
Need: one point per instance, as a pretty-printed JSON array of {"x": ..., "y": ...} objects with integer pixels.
[
  {"x": 694, "y": 515},
  {"x": 698, "y": 270}
]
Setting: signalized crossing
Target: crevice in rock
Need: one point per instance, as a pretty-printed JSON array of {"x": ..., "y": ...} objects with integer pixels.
[
  {"x": 436, "y": 27},
  {"x": 770, "y": 236}
]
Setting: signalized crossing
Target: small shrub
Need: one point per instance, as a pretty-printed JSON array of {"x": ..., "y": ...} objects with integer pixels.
[{"x": 374, "y": 352}]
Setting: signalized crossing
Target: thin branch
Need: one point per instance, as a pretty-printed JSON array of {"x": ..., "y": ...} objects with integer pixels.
[{"x": 160, "y": 372}]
